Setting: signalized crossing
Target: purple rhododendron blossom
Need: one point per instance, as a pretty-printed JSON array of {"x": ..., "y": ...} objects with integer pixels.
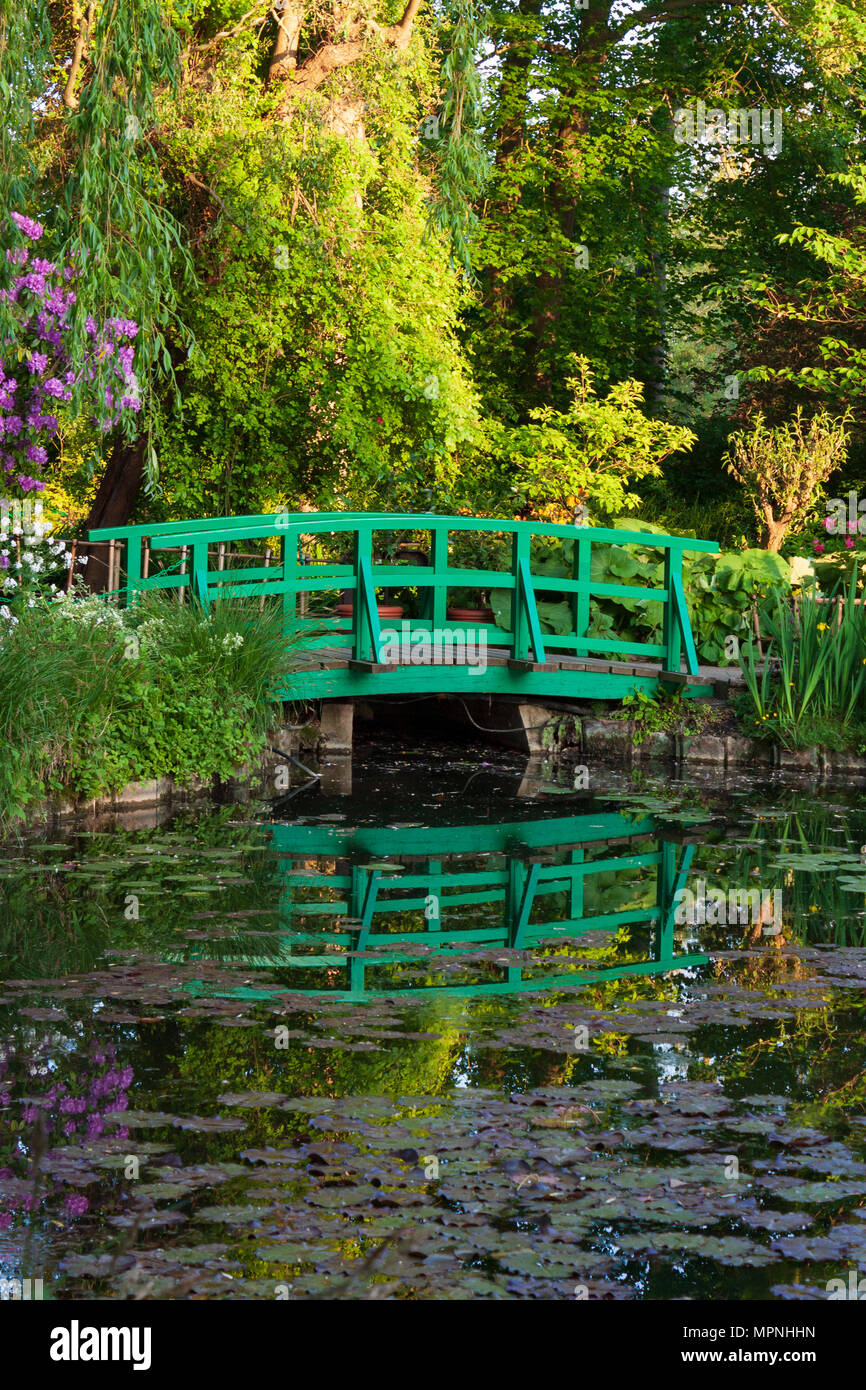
[
  {"x": 42, "y": 297},
  {"x": 27, "y": 225}
]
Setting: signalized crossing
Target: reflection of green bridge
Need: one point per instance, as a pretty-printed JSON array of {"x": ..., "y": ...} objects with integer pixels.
[
  {"x": 346, "y": 656},
  {"x": 400, "y": 895}
]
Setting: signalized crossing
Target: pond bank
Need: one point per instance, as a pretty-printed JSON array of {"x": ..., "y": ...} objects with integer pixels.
[
  {"x": 149, "y": 804},
  {"x": 323, "y": 749}
]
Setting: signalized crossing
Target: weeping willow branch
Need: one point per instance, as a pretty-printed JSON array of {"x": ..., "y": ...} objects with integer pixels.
[
  {"x": 462, "y": 163},
  {"x": 128, "y": 250}
]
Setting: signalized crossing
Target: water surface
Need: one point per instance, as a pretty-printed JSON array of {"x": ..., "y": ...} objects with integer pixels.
[{"x": 444, "y": 1035}]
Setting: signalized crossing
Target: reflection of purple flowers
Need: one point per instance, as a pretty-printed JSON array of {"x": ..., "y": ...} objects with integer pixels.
[
  {"x": 77, "y": 1106},
  {"x": 43, "y": 369}
]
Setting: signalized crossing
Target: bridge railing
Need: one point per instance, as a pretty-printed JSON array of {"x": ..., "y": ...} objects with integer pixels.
[{"x": 363, "y": 576}]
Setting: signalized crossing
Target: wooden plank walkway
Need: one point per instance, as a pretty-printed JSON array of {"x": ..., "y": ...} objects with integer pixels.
[{"x": 339, "y": 658}]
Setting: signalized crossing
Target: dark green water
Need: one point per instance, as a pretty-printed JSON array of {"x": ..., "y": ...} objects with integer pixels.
[{"x": 459, "y": 1033}]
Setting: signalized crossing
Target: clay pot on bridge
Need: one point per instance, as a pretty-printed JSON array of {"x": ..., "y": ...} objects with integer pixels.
[
  {"x": 392, "y": 612},
  {"x": 471, "y": 615}
]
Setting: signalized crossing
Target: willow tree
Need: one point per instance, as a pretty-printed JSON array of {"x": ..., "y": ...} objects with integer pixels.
[{"x": 255, "y": 188}]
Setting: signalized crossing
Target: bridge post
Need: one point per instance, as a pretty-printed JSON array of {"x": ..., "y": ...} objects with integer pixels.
[
  {"x": 580, "y": 570},
  {"x": 133, "y": 567},
  {"x": 289, "y": 541},
  {"x": 336, "y": 726},
  {"x": 439, "y": 594},
  {"x": 363, "y": 550}
]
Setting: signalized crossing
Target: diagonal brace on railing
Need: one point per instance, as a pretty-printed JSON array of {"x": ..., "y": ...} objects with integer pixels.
[
  {"x": 526, "y": 596},
  {"x": 672, "y": 881},
  {"x": 678, "y": 596},
  {"x": 524, "y": 912},
  {"x": 369, "y": 613}
]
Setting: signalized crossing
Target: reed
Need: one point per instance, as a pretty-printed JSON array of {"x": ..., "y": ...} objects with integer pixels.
[{"x": 816, "y": 663}]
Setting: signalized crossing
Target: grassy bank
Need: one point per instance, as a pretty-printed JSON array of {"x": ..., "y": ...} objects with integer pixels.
[{"x": 93, "y": 697}]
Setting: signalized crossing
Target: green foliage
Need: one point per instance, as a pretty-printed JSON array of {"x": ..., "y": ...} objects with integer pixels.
[
  {"x": 665, "y": 712},
  {"x": 25, "y": 27},
  {"x": 815, "y": 669},
  {"x": 592, "y": 453},
  {"x": 824, "y": 310},
  {"x": 726, "y": 593},
  {"x": 92, "y": 698},
  {"x": 326, "y": 363}
]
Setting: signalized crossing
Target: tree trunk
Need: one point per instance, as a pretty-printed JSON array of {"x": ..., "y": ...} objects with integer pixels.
[
  {"x": 114, "y": 503},
  {"x": 284, "y": 58},
  {"x": 581, "y": 71},
  {"x": 549, "y": 289},
  {"x": 775, "y": 530}
]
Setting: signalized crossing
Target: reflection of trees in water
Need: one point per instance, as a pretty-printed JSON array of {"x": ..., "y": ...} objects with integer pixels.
[
  {"x": 59, "y": 915},
  {"x": 218, "y": 1059},
  {"x": 814, "y": 906}
]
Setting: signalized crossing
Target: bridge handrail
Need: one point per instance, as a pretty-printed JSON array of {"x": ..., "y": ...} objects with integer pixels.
[
  {"x": 313, "y": 522},
  {"x": 235, "y": 524}
]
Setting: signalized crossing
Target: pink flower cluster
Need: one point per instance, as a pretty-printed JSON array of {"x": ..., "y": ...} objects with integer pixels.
[{"x": 31, "y": 384}]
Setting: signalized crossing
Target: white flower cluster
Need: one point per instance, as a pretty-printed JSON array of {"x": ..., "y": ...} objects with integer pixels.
[
  {"x": 92, "y": 611},
  {"x": 232, "y": 641},
  {"x": 28, "y": 553},
  {"x": 150, "y": 632}
]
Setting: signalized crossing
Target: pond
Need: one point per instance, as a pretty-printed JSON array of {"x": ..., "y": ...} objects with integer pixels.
[{"x": 461, "y": 1031}]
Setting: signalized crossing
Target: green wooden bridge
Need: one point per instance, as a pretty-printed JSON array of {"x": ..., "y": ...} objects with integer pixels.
[
  {"x": 357, "y": 906},
  {"x": 306, "y": 562}
]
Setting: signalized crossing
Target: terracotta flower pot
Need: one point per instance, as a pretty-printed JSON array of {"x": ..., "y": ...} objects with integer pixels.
[
  {"x": 391, "y": 611},
  {"x": 471, "y": 615}
]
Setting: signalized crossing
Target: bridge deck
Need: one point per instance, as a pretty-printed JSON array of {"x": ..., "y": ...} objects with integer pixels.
[{"x": 315, "y": 664}]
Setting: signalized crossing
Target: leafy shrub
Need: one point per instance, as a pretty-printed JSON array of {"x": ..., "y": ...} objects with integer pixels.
[
  {"x": 92, "y": 698},
  {"x": 783, "y": 469},
  {"x": 592, "y": 453}
]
